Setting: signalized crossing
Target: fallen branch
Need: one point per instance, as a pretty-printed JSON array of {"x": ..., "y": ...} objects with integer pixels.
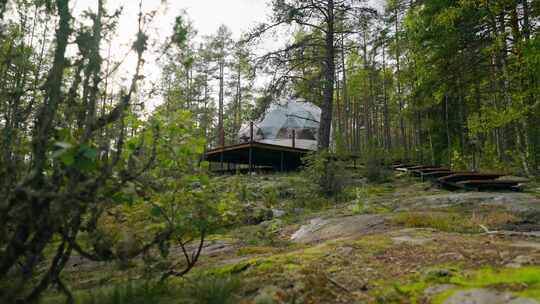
[{"x": 337, "y": 284}]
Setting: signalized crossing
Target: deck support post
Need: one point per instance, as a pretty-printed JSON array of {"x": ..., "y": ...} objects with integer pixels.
[
  {"x": 294, "y": 138},
  {"x": 281, "y": 165},
  {"x": 222, "y": 139},
  {"x": 251, "y": 131},
  {"x": 221, "y": 160},
  {"x": 250, "y": 147},
  {"x": 250, "y": 158}
]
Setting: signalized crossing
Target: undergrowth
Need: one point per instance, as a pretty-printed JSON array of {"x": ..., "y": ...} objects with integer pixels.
[
  {"x": 197, "y": 289},
  {"x": 455, "y": 222}
]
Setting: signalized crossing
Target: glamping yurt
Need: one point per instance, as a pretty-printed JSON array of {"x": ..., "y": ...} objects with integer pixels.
[{"x": 280, "y": 119}]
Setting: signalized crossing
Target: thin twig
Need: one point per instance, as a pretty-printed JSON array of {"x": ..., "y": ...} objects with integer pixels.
[{"x": 335, "y": 283}]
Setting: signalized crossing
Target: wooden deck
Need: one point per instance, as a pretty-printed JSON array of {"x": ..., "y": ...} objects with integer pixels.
[{"x": 256, "y": 154}]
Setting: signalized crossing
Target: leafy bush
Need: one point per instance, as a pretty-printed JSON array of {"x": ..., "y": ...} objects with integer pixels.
[
  {"x": 326, "y": 173},
  {"x": 270, "y": 197},
  {"x": 376, "y": 169}
]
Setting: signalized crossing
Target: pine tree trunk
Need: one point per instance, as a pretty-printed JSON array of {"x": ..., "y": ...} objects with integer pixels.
[
  {"x": 387, "y": 136},
  {"x": 398, "y": 80},
  {"x": 221, "y": 93},
  {"x": 329, "y": 78},
  {"x": 346, "y": 103}
]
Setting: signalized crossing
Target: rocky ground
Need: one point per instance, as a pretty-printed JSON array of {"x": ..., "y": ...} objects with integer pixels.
[{"x": 400, "y": 242}]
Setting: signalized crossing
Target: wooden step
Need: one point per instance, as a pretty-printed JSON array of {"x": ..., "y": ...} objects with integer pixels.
[
  {"x": 436, "y": 174},
  {"x": 419, "y": 172},
  {"x": 457, "y": 177},
  {"x": 490, "y": 184}
]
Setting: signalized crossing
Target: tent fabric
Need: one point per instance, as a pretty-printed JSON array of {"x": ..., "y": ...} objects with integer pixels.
[{"x": 276, "y": 126}]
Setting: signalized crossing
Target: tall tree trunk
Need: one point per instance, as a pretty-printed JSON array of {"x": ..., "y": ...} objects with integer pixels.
[
  {"x": 238, "y": 107},
  {"x": 516, "y": 126},
  {"x": 367, "y": 93},
  {"x": 387, "y": 136},
  {"x": 398, "y": 80},
  {"x": 526, "y": 19},
  {"x": 329, "y": 78},
  {"x": 221, "y": 129},
  {"x": 447, "y": 125},
  {"x": 337, "y": 122},
  {"x": 53, "y": 90},
  {"x": 346, "y": 103}
]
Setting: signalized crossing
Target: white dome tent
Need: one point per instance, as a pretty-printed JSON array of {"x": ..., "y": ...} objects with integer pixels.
[{"x": 280, "y": 119}]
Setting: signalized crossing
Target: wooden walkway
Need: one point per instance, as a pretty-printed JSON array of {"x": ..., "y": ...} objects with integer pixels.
[{"x": 449, "y": 179}]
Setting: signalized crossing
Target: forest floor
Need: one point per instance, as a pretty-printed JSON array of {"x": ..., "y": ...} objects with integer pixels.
[{"x": 397, "y": 242}]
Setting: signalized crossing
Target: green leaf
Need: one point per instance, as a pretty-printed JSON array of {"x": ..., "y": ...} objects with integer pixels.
[
  {"x": 118, "y": 197},
  {"x": 84, "y": 164},
  {"x": 199, "y": 149},
  {"x": 155, "y": 211},
  {"x": 68, "y": 157},
  {"x": 90, "y": 153}
]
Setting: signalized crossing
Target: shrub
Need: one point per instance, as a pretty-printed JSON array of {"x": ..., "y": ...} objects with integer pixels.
[
  {"x": 376, "y": 169},
  {"x": 211, "y": 289},
  {"x": 455, "y": 222},
  {"x": 326, "y": 173},
  {"x": 270, "y": 197},
  {"x": 131, "y": 292}
]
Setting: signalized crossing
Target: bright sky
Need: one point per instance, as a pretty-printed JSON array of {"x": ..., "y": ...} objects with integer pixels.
[{"x": 206, "y": 16}]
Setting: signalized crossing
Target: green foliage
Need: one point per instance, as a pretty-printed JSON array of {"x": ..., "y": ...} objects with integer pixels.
[
  {"x": 458, "y": 161},
  {"x": 180, "y": 32},
  {"x": 185, "y": 203},
  {"x": 376, "y": 167},
  {"x": 490, "y": 159},
  {"x": 452, "y": 222},
  {"x": 462, "y": 105},
  {"x": 526, "y": 277},
  {"x": 364, "y": 199},
  {"x": 530, "y": 276},
  {"x": 270, "y": 197},
  {"x": 327, "y": 175},
  {"x": 259, "y": 235},
  {"x": 198, "y": 289},
  {"x": 211, "y": 289},
  {"x": 131, "y": 292},
  {"x": 64, "y": 139},
  {"x": 11, "y": 288},
  {"x": 456, "y": 222}
]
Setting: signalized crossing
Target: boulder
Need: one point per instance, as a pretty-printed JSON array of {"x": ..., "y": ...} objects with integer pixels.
[
  {"x": 320, "y": 229},
  {"x": 278, "y": 213},
  {"x": 486, "y": 296},
  {"x": 411, "y": 240},
  {"x": 437, "y": 289},
  {"x": 522, "y": 203},
  {"x": 520, "y": 261}
]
